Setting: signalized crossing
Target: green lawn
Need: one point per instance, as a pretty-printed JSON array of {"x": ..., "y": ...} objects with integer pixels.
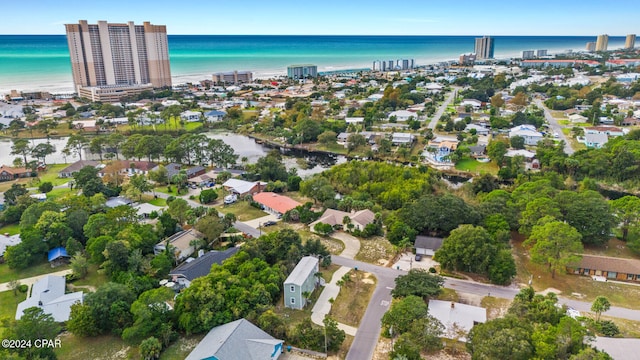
[
  {"x": 51, "y": 174},
  {"x": 10, "y": 229},
  {"x": 242, "y": 210},
  {"x": 7, "y": 274},
  {"x": 158, "y": 202},
  {"x": 60, "y": 192},
  {"x": 181, "y": 347},
  {"x": 473, "y": 165},
  {"x": 10, "y": 303},
  {"x": 93, "y": 278}
]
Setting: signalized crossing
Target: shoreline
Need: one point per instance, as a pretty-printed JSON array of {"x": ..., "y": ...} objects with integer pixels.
[{"x": 66, "y": 86}]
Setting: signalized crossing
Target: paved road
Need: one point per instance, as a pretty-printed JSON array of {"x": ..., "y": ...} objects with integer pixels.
[
  {"x": 555, "y": 127},
  {"x": 442, "y": 108},
  {"x": 366, "y": 338}
]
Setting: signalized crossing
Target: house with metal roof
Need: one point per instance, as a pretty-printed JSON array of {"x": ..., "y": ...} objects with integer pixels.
[
  {"x": 528, "y": 132},
  {"x": 7, "y": 240},
  {"x": 456, "y": 316},
  {"x": 183, "y": 244},
  {"x": 242, "y": 188},
  {"x": 192, "y": 268},
  {"x": 301, "y": 280},
  {"x": 49, "y": 295},
  {"x": 238, "y": 339}
]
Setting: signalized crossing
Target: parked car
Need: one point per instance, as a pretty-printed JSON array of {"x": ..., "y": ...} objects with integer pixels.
[
  {"x": 269, "y": 223},
  {"x": 418, "y": 257},
  {"x": 230, "y": 199}
]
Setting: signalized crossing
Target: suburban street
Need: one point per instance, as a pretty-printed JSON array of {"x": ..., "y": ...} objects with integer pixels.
[
  {"x": 443, "y": 107},
  {"x": 368, "y": 333},
  {"x": 555, "y": 127}
]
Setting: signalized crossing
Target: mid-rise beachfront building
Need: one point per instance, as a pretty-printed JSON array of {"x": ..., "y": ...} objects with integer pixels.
[
  {"x": 484, "y": 47},
  {"x": 541, "y": 53},
  {"x": 111, "y": 60},
  {"x": 391, "y": 65},
  {"x": 233, "y": 77},
  {"x": 602, "y": 42},
  {"x": 528, "y": 54},
  {"x": 630, "y": 41},
  {"x": 302, "y": 71},
  {"x": 591, "y": 46},
  {"x": 467, "y": 59}
]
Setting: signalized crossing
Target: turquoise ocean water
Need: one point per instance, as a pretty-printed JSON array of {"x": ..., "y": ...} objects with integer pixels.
[{"x": 41, "y": 62}]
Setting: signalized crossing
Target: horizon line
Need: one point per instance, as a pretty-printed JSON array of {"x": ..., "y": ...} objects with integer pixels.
[{"x": 396, "y": 35}]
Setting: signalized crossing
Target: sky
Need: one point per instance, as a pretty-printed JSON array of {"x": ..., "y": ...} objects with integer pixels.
[{"x": 333, "y": 17}]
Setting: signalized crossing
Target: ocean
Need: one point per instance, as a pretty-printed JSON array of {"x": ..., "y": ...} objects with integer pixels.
[{"x": 41, "y": 62}]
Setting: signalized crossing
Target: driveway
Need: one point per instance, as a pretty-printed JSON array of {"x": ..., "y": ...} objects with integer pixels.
[
  {"x": 351, "y": 244},
  {"x": 407, "y": 261},
  {"x": 30, "y": 281}
]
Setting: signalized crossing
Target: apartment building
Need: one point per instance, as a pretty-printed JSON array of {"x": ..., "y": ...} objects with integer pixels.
[
  {"x": 113, "y": 55},
  {"x": 602, "y": 42},
  {"x": 484, "y": 47}
]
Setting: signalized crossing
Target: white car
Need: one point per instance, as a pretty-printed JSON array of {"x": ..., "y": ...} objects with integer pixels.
[{"x": 230, "y": 199}]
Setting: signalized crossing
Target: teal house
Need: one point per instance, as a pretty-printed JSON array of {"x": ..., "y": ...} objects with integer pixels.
[{"x": 301, "y": 280}]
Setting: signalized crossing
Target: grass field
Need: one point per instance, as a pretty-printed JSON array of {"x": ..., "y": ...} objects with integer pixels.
[
  {"x": 350, "y": 304},
  {"x": 51, "y": 175},
  {"x": 474, "y": 166},
  {"x": 242, "y": 210},
  {"x": 181, "y": 347},
  {"x": 7, "y": 274},
  {"x": 9, "y": 303},
  {"x": 172, "y": 125},
  {"x": 60, "y": 192},
  {"x": 10, "y": 229},
  {"x": 158, "y": 202}
]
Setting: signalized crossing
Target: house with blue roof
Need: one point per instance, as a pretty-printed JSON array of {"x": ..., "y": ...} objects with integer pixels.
[{"x": 57, "y": 256}]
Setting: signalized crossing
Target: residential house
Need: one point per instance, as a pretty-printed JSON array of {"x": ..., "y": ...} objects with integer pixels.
[
  {"x": 607, "y": 267},
  {"x": 300, "y": 282},
  {"x": 48, "y": 294},
  {"x": 128, "y": 168},
  {"x": 215, "y": 115},
  {"x": 402, "y": 115},
  {"x": 402, "y": 138},
  {"x": 7, "y": 240},
  {"x": 577, "y": 118},
  {"x": 607, "y": 130},
  {"x": 183, "y": 244},
  {"x": 8, "y": 173},
  {"x": 275, "y": 203},
  {"x": 242, "y": 188},
  {"x": 359, "y": 219},
  {"x": 478, "y": 151},
  {"x": 342, "y": 138},
  {"x": 475, "y": 104},
  {"x": 427, "y": 245},
  {"x": 456, "y": 316},
  {"x": 433, "y": 88},
  {"x": 238, "y": 339},
  {"x": 192, "y": 268},
  {"x": 118, "y": 201},
  {"x": 75, "y": 167},
  {"x": 630, "y": 121},
  {"x": 190, "y": 116},
  {"x": 480, "y": 130},
  {"x": 144, "y": 210},
  {"x": 595, "y": 141},
  {"x": 528, "y": 132},
  {"x": 443, "y": 145},
  {"x": 354, "y": 120}
]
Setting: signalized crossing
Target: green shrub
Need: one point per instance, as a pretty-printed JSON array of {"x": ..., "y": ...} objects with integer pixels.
[{"x": 23, "y": 288}]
